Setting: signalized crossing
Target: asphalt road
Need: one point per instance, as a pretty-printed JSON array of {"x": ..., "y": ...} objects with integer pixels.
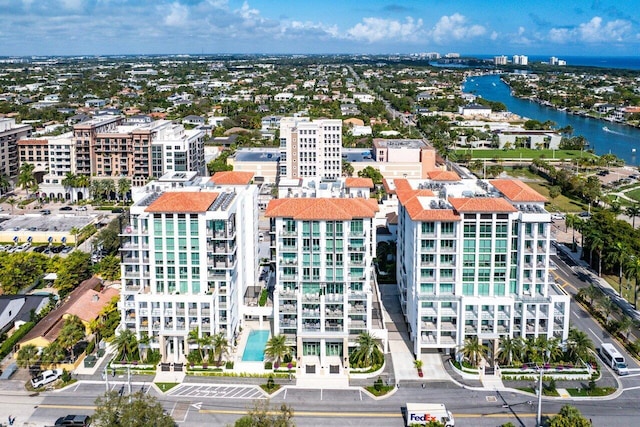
[{"x": 221, "y": 405}]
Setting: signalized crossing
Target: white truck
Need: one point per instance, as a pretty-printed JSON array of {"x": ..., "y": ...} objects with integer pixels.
[
  {"x": 422, "y": 413},
  {"x": 46, "y": 377}
]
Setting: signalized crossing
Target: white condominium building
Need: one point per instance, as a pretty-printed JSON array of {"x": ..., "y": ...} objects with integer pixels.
[
  {"x": 473, "y": 260},
  {"x": 326, "y": 292},
  {"x": 188, "y": 256},
  {"x": 310, "y": 148}
]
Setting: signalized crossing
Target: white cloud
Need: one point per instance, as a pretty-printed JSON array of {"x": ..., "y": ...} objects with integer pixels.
[
  {"x": 72, "y": 4},
  {"x": 178, "y": 15},
  {"x": 455, "y": 27},
  {"x": 377, "y": 29},
  {"x": 594, "y": 31}
]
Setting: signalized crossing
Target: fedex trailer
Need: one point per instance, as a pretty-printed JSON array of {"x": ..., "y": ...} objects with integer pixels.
[{"x": 423, "y": 413}]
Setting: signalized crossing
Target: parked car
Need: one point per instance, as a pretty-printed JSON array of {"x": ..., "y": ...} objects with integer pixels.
[
  {"x": 45, "y": 212},
  {"x": 117, "y": 210},
  {"x": 66, "y": 208},
  {"x": 81, "y": 208},
  {"x": 46, "y": 377},
  {"x": 74, "y": 420}
]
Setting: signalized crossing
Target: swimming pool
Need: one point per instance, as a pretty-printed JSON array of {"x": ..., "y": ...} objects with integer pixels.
[{"x": 254, "y": 350}]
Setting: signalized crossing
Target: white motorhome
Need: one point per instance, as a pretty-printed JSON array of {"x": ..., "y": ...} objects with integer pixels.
[
  {"x": 423, "y": 413},
  {"x": 614, "y": 359}
]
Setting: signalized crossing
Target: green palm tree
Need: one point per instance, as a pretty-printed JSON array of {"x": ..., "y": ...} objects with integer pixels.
[
  {"x": 509, "y": 349},
  {"x": 367, "y": 352},
  {"x": 124, "y": 185},
  {"x": 75, "y": 231},
  {"x": 220, "y": 346},
  {"x": 569, "y": 221},
  {"x": 625, "y": 326},
  {"x": 276, "y": 348},
  {"x": 607, "y": 306},
  {"x": 633, "y": 212},
  {"x": 109, "y": 187},
  {"x": 126, "y": 344},
  {"x": 550, "y": 348},
  {"x": 53, "y": 354},
  {"x": 27, "y": 355},
  {"x": 25, "y": 176},
  {"x": 5, "y": 183},
  {"x": 618, "y": 255},
  {"x": 633, "y": 271},
  {"x": 474, "y": 350},
  {"x": 590, "y": 293},
  {"x": 598, "y": 244},
  {"x": 73, "y": 331},
  {"x": 12, "y": 202},
  {"x": 579, "y": 345}
]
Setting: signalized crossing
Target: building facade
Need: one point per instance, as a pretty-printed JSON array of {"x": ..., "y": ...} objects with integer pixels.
[
  {"x": 310, "y": 148},
  {"x": 325, "y": 284},
  {"x": 473, "y": 260},
  {"x": 10, "y": 133},
  {"x": 189, "y": 255}
]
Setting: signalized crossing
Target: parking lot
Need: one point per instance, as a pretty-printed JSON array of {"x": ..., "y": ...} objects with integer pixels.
[{"x": 202, "y": 391}]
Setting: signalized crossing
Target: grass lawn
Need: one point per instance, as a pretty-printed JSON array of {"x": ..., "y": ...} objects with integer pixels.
[
  {"x": 164, "y": 387},
  {"x": 583, "y": 392},
  {"x": 561, "y": 203},
  {"x": 627, "y": 286},
  {"x": 270, "y": 390},
  {"x": 522, "y": 153},
  {"x": 522, "y": 173},
  {"x": 383, "y": 390},
  {"x": 634, "y": 194}
]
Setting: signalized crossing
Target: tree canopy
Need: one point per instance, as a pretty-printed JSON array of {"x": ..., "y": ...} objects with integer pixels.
[{"x": 143, "y": 411}]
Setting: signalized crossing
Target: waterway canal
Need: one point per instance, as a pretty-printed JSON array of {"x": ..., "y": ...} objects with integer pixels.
[{"x": 603, "y": 136}]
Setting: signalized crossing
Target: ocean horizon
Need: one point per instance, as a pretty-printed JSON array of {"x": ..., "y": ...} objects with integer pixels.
[{"x": 621, "y": 62}]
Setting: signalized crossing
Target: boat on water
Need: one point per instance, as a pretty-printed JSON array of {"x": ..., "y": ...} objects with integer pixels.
[{"x": 606, "y": 129}]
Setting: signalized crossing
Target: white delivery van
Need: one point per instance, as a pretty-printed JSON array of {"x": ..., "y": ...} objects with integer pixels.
[{"x": 422, "y": 413}]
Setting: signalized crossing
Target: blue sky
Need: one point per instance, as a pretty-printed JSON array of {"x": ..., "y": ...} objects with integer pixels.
[{"x": 542, "y": 27}]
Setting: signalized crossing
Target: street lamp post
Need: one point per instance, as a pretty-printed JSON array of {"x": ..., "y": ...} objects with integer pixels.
[{"x": 539, "y": 415}]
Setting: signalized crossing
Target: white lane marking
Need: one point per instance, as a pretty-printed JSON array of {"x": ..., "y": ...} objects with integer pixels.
[{"x": 595, "y": 335}]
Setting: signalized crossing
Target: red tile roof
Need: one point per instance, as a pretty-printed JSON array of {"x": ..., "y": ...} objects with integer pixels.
[
  {"x": 33, "y": 142},
  {"x": 481, "y": 204},
  {"x": 358, "y": 182},
  {"x": 322, "y": 208},
  {"x": 232, "y": 178},
  {"x": 443, "y": 176},
  {"x": 88, "y": 305},
  {"x": 182, "y": 202},
  {"x": 517, "y": 191}
]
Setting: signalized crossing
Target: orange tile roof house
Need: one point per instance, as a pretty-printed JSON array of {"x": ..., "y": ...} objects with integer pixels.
[{"x": 86, "y": 302}]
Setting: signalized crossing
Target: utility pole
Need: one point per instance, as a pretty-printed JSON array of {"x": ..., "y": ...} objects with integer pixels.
[
  {"x": 129, "y": 381},
  {"x": 106, "y": 379}
]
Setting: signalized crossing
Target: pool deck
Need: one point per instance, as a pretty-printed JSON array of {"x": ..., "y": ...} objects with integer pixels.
[{"x": 240, "y": 365}]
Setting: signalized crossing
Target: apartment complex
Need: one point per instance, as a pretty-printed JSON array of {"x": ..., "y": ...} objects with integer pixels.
[
  {"x": 188, "y": 256},
  {"x": 310, "y": 148},
  {"x": 10, "y": 133},
  {"x": 147, "y": 150},
  {"x": 34, "y": 152},
  {"x": 326, "y": 288},
  {"x": 473, "y": 260}
]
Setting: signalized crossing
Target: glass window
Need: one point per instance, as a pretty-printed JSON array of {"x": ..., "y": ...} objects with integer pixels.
[
  {"x": 467, "y": 289},
  {"x": 428, "y": 245},
  {"x": 469, "y": 260},
  {"x": 485, "y": 245},
  {"x": 428, "y": 227},
  {"x": 469, "y": 229},
  {"x": 195, "y": 258},
  {"x": 182, "y": 227},
  {"x": 446, "y": 288},
  {"x": 485, "y": 229},
  {"x": 427, "y": 288},
  {"x": 446, "y": 228},
  {"x": 469, "y": 245},
  {"x": 483, "y": 289},
  {"x": 501, "y": 245},
  {"x": 501, "y": 229},
  {"x": 468, "y": 274},
  {"x": 194, "y": 227},
  {"x": 158, "y": 243}
]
